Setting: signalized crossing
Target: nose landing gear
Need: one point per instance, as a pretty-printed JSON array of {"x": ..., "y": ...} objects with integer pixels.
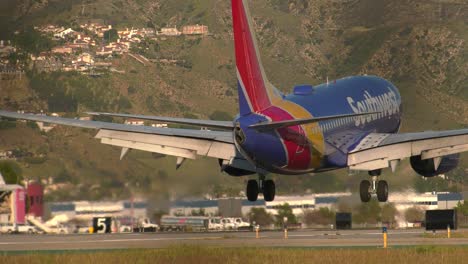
[{"x": 267, "y": 187}]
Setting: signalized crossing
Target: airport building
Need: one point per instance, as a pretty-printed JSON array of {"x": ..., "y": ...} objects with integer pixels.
[
  {"x": 16, "y": 202},
  {"x": 87, "y": 210},
  {"x": 235, "y": 207}
]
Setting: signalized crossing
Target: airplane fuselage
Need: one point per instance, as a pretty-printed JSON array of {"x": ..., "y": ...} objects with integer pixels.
[{"x": 324, "y": 145}]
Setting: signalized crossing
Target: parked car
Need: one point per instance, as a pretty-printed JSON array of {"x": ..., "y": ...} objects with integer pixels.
[
  {"x": 7, "y": 228},
  {"x": 30, "y": 229},
  {"x": 228, "y": 223}
]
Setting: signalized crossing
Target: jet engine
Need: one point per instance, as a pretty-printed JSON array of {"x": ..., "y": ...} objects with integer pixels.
[{"x": 429, "y": 168}]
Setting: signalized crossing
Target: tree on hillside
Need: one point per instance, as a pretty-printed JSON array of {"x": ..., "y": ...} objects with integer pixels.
[
  {"x": 285, "y": 210},
  {"x": 111, "y": 35},
  {"x": 32, "y": 41},
  {"x": 368, "y": 212},
  {"x": 11, "y": 172},
  {"x": 414, "y": 214},
  {"x": 323, "y": 216},
  {"x": 260, "y": 216},
  {"x": 389, "y": 212},
  {"x": 462, "y": 208}
]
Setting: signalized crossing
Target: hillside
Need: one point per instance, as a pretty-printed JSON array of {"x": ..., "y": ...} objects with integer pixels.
[{"x": 419, "y": 46}]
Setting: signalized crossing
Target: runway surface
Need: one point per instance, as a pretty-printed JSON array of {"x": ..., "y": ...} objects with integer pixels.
[{"x": 303, "y": 238}]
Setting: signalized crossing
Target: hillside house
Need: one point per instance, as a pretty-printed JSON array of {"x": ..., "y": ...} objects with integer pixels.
[
  {"x": 62, "y": 50},
  {"x": 170, "y": 31},
  {"x": 195, "y": 30},
  {"x": 104, "y": 51},
  {"x": 134, "y": 122},
  {"x": 63, "y": 33},
  {"x": 84, "y": 57}
]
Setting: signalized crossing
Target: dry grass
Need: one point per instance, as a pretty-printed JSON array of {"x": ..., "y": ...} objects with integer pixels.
[{"x": 198, "y": 254}]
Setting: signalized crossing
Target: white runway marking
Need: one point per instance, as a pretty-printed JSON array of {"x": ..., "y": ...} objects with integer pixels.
[{"x": 110, "y": 240}]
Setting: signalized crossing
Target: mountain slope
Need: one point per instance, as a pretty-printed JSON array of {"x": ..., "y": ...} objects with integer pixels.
[{"x": 420, "y": 46}]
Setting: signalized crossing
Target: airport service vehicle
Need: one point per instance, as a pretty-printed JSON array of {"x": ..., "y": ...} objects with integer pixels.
[
  {"x": 215, "y": 224},
  {"x": 125, "y": 229},
  {"x": 241, "y": 225},
  {"x": 185, "y": 223},
  {"x": 20, "y": 228},
  {"x": 195, "y": 223},
  {"x": 55, "y": 228},
  {"x": 30, "y": 229},
  {"x": 228, "y": 223},
  {"x": 349, "y": 123},
  {"x": 145, "y": 225},
  {"x": 8, "y": 228}
]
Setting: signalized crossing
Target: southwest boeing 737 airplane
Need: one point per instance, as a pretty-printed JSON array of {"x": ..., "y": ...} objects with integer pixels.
[{"x": 350, "y": 123}]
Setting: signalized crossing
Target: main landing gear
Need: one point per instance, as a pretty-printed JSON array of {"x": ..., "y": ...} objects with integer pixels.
[
  {"x": 366, "y": 188},
  {"x": 267, "y": 187}
]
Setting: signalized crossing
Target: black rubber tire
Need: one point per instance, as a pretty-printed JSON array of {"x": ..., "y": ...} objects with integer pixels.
[
  {"x": 364, "y": 191},
  {"x": 252, "y": 190},
  {"x": 382, "y": 191},
  {"x": 269, "y": 190}
]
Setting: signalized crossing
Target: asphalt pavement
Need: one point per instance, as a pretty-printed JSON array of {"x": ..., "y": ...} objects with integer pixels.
[{"x": 299, "y": 238}]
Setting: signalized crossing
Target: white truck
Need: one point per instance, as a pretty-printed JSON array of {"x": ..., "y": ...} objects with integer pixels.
[
  {"x": 241, "y": 225},
  {"x": 10, "y": 229},
  {"x": 145, "y": 225},
  {"x": 228, "y": 223},
  {"x": 215, "y": 224},
  {"x": 235, "y": 223}
]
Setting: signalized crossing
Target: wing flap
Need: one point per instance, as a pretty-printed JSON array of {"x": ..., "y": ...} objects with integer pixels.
[
  {"x": 378, "y": 151},
  {"x": 228, "y": 125},
  {"x": 168, "y": 145}
]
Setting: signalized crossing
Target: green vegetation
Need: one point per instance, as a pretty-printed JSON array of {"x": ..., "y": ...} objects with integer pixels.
[
  {"x": 111, "y": 35},
  {"x": 11, "y": 172},
  {"x": 200, "y": 254},
  {"x": 285, "y": 213},
  {"x": 32, "y": 41},
  {"x": 462, "y": 208},
  {"x": 260, "y": 216},
  {"x": 323, "y": 216},
  {"x": 414, "y": 214}
]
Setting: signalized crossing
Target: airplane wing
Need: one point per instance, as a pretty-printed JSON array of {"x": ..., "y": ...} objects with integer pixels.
[
  {"x": 182, "y": 143},
  {"x": 227, "y": 125},
  {"x": 378, "y": 151}
]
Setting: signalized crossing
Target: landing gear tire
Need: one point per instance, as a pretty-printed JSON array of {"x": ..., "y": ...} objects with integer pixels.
[
  {"x": 252, "y": 190},
  {"x": 364, "y": 191},
  {"x": 269, "y": 190},
  {"x": 382, "y": 191}
]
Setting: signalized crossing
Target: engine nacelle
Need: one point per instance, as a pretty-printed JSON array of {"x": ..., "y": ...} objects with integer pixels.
[
  {"x": 234, "y": 168},
  {"x": 237, "y": 172},
  {"x": 426, "y": 168}
]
